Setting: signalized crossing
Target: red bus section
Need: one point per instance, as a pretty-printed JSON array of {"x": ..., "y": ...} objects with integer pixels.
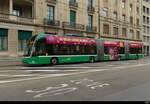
[
  {"x": 135, "y": 45},
  {"x": 108, "y": 43},
  {"x": 51, "y": 39},
  {"x": 111, "y": 49}
]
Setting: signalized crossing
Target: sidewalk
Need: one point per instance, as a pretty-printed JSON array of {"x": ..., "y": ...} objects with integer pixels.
[{"x": 10, "y": 61}]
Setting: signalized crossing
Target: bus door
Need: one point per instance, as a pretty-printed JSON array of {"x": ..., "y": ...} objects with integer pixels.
[
  {"x": 111, "y": 49},
  {"x": 113, "y": 53}
]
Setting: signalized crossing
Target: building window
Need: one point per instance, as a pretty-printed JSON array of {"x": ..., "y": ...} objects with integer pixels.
[
  {"x": 124, "y": 17},
  {"x": 73, "y": 1},
  {"x": 50, "y": 12},
  {"x": 147, "y": 20},
  {"x": 147, "y": 10},
  {"x": 144, "y": 19},
  {"x": 148, "y": 29},
  {"x": 72, "y": 16},
  {"x": 105, "y": 29},
  {"x": 131, "y": 20},
  {"x": 90, "y": 21},
  {"x": 123, "y": 3},
  {"x": 23, "y": 37},
  {"x": 137, "y": 21},
  {"x": 17, "y": 11},
  {"x": 144, "y": 28},
  {"x": 138, "y": 35},
  {"x": 115, "y": 15},
  {"x": 137, "y": 10},
  {"x": 144, "y": 38},
  {"x": 144, "y": 9},
  {"x": 104, "y": 12},
  {"x": 90, "y": 3},
  {"x": 3, "y": 39},
  {"x": 115, "y": 30},
  {"x": 124, "y": 32},
  {"x": 131, "y": 8},
  {"x": 132, "y": 34}
]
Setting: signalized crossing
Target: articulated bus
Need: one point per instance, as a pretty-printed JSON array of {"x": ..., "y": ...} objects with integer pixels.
[{"x": 54, "y": 49}]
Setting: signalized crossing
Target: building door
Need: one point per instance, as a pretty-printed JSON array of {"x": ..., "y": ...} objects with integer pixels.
[
  {"x": 23, "y": 37},
  {"x": 3, "y": 39}
]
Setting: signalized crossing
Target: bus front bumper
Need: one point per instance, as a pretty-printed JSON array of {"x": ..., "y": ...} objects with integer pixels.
[{"x": 30, "y": 60}]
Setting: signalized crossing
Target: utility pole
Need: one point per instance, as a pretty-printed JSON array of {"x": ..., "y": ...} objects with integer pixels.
[{"x": 99, "y": 35}]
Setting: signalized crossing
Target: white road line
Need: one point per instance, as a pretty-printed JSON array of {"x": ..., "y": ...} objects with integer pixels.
[
  {"x": 49, "y": 70},
  {"x": 27, "y": 75},
  {"x": 54, "y": 67},
  {"x": 4, "y": 71},
  {"x": 68, "y": 74}
]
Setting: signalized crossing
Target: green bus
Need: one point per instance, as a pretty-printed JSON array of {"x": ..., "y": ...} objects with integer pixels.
[{"x": 53, "y": 49}]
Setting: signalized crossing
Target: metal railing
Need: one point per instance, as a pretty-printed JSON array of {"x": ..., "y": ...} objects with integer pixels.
[
  {"x": 52, "y": 1},
  {"x": 51, "y": 22},
  {"x": 11, "y": 18},
  {"x": 91, "y": 9},
  {"x": 91, "y": 28},
  {"x": 73, "y": 25},
  {"x": 73, "y": 3}
]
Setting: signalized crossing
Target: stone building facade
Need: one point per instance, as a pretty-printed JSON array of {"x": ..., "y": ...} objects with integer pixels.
[
  {"x": 146, "y": 26},
  {"x": 107, "y": 19}
]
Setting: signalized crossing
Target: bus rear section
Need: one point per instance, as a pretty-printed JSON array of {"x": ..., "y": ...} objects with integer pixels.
[{"x": 135, "y": 50}]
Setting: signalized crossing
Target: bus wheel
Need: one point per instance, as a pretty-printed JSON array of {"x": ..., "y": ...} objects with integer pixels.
[
  {"x": 92, "y": 59},
  {"x": 54, "y": 61}
]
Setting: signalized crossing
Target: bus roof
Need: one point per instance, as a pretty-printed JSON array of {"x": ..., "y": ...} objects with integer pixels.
[{"x": 39, "y": 36}]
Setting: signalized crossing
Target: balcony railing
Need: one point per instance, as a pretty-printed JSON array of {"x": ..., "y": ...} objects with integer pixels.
[
  {"x": 52, "y": 1},
  {"x": 73, "y": 25},
  {"x": 91, "y": 28},
  {"x": 51, "y": 22},
  {"x": 73, "y": 3},
  {"x": 11, "y": 18},
  {"x": 91, "y": 9}
]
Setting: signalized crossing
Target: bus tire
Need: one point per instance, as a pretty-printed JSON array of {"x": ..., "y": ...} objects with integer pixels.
[
  {"x": 54, "y": 61},
  {"x": 92, "y": 60}
]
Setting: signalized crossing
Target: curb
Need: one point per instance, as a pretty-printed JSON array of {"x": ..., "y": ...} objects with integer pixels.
[{"x": 8, "y": 61}]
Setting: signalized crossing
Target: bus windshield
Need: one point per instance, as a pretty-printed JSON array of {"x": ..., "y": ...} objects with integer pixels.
[{"x": 29, "y": 47}]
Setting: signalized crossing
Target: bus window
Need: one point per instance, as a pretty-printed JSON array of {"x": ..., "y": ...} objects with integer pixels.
[
  {"x": 40, "y": 47},
  {"x": 106, "y": 50},
  {"x": 63, "y": 49},
  {"x": 121, "y": 50},
  {"x": 90, "y": 50},
  {"x": 135, "y": 50}
]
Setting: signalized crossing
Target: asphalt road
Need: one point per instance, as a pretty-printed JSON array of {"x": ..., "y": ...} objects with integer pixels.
[{"x": 103, "y": 81}]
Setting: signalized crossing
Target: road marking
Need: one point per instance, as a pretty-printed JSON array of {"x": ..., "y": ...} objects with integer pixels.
[
  {"x": 4, "y": 71},
  {"x": 27, "y": 75},
  {"x": 68, "y": 74},
  {"x": 66, "y": 88},
  {"x": 48, "y": 70},
  {"x": 55, "y": 67}
]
